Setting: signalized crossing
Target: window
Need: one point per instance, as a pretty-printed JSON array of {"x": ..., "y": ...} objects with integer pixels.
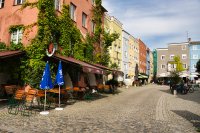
[
  {"x": 93, "y": 2},
  {"x": 194, "y": 47},
  {"x": 16, "y": 36},
  {"x": 126, "y": 54},
  {"x": 171, "y": 56},
  {"x": 195, "y": 56},
  {"x": 185, "y": 66},
  {"x": 115, "y": 47},
  {"x": 2, "y": 3},
  {"x": 162, "y": 57},
  {"x": 162, "y": 66},
  {"x": 19, "y": 2},
  {"x": 57, "y": 5},
  {"x": 194, "y": 66},
  {"x": 184, "y": 56},
  {"x": 93, "y": 26},
  {"x": 72, "y": 11},
  {"x": 183, "y": 47},
  {"x": 84, "y": 19}
]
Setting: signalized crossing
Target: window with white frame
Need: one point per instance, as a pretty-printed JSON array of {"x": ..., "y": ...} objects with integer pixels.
[
  {"x": 195, "y": 56},
  {"x": 84, "y": 20},
  {"x": 184, "y": 56},
  {"x": 73, "y": 12},
  {"x": 162, "y": 66},
  {"x": 185, "y": 66},
  {"x": 183, "y": 47},
  {"x": 173, "y": 65},
  {"x": 2, "y": 3},
  {"x": 57, "y": 4},
  {"x": 162, "y": 57},
  {"x": 16, "y": 36},
  {"x": 171, "y": 56},
  {"x": 19, "y": 2}
]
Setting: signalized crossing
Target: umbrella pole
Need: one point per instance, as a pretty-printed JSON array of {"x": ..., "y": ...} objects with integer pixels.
[
  {"x": 45, "y": 99},
  {"x": 59, "y": 96}
]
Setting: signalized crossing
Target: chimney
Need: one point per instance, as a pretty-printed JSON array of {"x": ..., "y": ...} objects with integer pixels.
[{"x": 189, "y": 39}]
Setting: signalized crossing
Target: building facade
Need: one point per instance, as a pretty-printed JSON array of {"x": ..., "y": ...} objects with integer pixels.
[
  {"x": 131, "y": 72},
  {"x": 162, "y": 61},
  {"x": 125, "y": 53},
  {"x": 142, "y": 56},
  {"x": 151, "y": 67},
  {"x": 10, "y": 15},
  {"x": 181, "y": 50},
  {"x": 112, "y": 25},
  {"x": 165, "y": 57},
  {"x": 154, "y": 63},
  {"x": 148, "y": 61},
  {"x": 194, "y": 50}
]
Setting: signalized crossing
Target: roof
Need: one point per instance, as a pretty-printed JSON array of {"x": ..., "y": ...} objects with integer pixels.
[
  {"x": 85, "y": 66},
  {"x": 6, "y": 54}
]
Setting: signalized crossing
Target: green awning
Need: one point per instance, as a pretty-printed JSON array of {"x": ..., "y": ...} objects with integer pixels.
[{"x": 143, "y": 77}]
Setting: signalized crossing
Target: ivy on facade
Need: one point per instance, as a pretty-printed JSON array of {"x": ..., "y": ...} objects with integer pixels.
[
  {"x": 16, "y": 27},
  {"x": 61, "y": 30}
]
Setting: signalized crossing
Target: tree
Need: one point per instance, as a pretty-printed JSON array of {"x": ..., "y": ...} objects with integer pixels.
[
  {"x": 175, "y": 75},
  {"x": 198, "y": 66}
]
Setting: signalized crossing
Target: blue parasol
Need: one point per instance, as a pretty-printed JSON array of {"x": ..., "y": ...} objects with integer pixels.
[
  {"x": 59, "y": 81},
  {"x": 46, "y": 83}
]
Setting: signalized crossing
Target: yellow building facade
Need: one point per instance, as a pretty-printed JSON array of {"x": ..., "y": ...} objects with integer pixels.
[
  {"x": 131, "y": 69},
  {"x": 112, "y": 25}
]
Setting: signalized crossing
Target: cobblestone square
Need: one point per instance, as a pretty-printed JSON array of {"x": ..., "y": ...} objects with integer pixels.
[{"x": 149, "y": 109}]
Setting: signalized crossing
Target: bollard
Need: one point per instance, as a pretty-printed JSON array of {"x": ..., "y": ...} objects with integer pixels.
[{"x": 175, "y": 92}]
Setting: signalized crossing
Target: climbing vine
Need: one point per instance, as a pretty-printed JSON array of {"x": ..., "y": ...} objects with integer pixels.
[
  {"x": 101, "y": 38},
  {"x": 61, "y": 30},
  {"x": 13, "y": 28}
]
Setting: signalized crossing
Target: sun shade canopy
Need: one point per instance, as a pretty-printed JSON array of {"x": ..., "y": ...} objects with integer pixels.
[{"x": 85, "y": 66}]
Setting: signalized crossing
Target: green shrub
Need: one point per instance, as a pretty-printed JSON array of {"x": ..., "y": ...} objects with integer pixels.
[
  {"x": 2, "y": 45},
  {"x": 14, "y": 46}
]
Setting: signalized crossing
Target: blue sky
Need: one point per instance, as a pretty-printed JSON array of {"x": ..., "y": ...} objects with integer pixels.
[{"x": 158, "y": 22}]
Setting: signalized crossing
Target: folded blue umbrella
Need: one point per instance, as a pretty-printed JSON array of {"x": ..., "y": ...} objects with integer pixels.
[
  {"x": 59, "y": 76},
  {"x": 46, "y": 82}
]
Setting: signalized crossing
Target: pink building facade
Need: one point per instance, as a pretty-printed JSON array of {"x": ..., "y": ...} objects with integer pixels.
[{"x": 80, "y": 12}]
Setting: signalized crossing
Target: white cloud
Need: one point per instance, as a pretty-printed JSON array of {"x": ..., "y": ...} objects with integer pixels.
[{"x": 168, "y": 20}]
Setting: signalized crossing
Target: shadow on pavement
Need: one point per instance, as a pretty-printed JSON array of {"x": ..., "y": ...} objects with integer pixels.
[
  {"x": 191, "y": 117},
  {"x": 167, "y": 91}
]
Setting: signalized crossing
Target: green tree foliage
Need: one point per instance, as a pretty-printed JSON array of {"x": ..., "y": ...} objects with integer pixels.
[
  {"x": 175, "y": 75},
  {"x": 198, "y": 66},
  {"x": 114, "y": 66},
  {"x": 178, "y": 63}
]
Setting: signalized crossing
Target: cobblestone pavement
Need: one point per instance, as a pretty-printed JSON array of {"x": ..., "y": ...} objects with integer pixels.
[{"x": 148, "y": 109}]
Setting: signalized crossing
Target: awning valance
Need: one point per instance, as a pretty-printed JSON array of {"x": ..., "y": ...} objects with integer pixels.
[
  {"x": 85, "y": 66},
  {"x": 5, "y": 54}
]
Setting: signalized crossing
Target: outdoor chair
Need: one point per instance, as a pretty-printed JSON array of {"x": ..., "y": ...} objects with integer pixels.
[
  {"x": 14, "y": 103},
  {"x": 10, "y": 90},
  {"x": 69, "y": 95},
  {"x": 28, "y": 104}
]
